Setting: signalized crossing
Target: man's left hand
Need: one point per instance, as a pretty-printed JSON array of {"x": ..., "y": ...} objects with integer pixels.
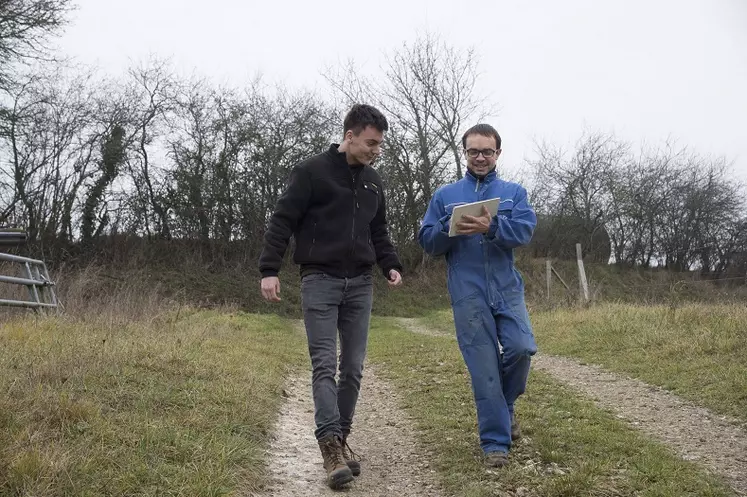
[
  {"x": 395, "y": 279},
  {"x": 472, "y": 225}
]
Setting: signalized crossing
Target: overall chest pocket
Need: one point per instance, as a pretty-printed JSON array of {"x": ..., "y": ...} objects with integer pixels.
[{"x": 505, "y": 208}]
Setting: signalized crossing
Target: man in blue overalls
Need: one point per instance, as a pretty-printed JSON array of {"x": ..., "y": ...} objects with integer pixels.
[{"x": 487, "y": 292}]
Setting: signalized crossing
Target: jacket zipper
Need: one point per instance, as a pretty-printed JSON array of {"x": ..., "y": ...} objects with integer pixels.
[{"x": 355, "y": 209}]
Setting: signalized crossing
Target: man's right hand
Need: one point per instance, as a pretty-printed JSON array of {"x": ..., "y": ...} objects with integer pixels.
[
  {"x": 472, "y": 225},
  {"x": 271, "y": 288}
]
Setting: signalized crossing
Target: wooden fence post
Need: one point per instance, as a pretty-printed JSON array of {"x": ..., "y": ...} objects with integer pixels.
[{"x": 583, "y": 285}]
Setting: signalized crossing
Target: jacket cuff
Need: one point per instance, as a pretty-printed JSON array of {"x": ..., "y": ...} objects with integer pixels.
[
  {"x": 493, "y": 229},
  {"x": 396, "y": 268},
  {"x": 266, "y": 273},
  {"x": 445, "y": 223}
]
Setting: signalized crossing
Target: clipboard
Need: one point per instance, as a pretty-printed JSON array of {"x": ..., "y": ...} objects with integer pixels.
[{"x": 471, "y": 209}]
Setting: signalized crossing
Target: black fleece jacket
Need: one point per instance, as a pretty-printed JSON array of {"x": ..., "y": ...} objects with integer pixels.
[{"x": 337, "y": 214}]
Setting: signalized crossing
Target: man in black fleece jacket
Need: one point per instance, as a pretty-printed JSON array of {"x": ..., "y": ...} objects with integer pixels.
[{"x": 334, "y": 207}]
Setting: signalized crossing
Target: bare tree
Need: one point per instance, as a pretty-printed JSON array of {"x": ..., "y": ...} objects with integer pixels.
[
  {"x": 665, "y": 206},
  {"x": 48, "y": 137},
  {"x": 450, "y": 76},
  {"x": 211, "y": 130},
  {"x": 577, "y": 189},
  {"x": 154, "y": 88},
  {"x": 25, "y": 27},
  {"x": 704, "y": 203}
]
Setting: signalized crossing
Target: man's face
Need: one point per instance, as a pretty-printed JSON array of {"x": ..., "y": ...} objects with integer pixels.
[
  {"x": 478, "y": 149},
  {"x": 366, "y": 145}
]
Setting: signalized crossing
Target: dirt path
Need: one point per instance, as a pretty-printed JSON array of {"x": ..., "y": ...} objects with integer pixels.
[
  {"x": 414, "y": 326},
  {"x": 695, "y": 433},
  {"x": 382, "y": 435}
]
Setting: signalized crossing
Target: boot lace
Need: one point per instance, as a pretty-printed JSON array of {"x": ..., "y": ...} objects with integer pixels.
[{"x": 347, "y": 450}]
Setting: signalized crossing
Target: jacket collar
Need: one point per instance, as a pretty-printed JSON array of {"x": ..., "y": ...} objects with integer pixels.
[
  {"x": 336, "y": 154},
  {"x": 472, "y": 178},
  {"x": 340, "y": 158}
]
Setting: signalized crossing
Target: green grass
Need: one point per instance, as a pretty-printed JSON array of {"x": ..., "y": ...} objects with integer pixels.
[
  {"x": 441, "y": 320},
  {"x": 181, "y": 406},
  {"x": 699, "y": 352},
  {"x": 570, "y": 447}
]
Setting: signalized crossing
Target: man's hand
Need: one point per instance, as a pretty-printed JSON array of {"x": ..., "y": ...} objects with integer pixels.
[
  {"x": 271, "y": 288},
  {"x": 395, "y": 279},
  {"x": 471, "y": 225}
]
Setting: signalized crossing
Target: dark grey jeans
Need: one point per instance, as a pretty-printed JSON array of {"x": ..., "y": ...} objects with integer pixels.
[{"x": 331, "y": 305}]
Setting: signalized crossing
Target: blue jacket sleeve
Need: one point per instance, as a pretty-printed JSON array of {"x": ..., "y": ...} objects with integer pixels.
[
  {"x": 517, "y": 228},
  {"x": 434, "y": 230}
]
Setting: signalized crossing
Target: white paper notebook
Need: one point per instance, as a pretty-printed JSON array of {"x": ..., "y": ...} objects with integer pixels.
[{"x": 473, "y": 209}]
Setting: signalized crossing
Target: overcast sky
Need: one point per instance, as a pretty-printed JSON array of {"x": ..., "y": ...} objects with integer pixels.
[{"x": 644, "y": 69}]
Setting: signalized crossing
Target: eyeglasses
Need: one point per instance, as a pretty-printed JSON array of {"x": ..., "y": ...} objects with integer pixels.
[{"x": 486, "y": 152}]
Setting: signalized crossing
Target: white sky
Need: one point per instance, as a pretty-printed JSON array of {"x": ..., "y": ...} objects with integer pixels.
[{"x": 645, "y": 69}]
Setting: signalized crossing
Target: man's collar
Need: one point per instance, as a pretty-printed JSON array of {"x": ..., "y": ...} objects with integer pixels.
[
  {"x": 341, "y": 157},
  {"x": 488, "y": 177}
]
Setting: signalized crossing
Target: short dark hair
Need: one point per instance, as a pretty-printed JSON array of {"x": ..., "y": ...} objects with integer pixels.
[
  {"x": 484, "y": 130},
  {"x": 361, "y": 116}
]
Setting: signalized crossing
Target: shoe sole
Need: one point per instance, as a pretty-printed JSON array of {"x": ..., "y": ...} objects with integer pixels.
[{"x": 336, "y": 481}]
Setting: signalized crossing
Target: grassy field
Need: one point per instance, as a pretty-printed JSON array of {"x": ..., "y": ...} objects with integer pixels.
[
  {"x": 697, "y": 351},
  {"x": 182, "y": 405},
  {"x": 570, "y": 447}
]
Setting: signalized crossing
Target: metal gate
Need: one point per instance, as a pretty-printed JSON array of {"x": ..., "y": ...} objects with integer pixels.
[{"x": 34, "y": 276}]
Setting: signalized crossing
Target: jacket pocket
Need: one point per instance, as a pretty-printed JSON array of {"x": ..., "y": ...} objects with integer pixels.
[
  {"x": 469, "y": 320},
  {"x": 371, "y": 187},
  {"x": 505, "y": 207},
  {"x": 365, "y": 251},
  {"x": 369, "y": 199},
  {"x": 305, "y": 241},
  {"x": 313, "y": 240},
  {"x": 516, "y": 304}
]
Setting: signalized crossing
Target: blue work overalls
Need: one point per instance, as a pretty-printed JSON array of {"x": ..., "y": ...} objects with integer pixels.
[{"x": 487, "y": 295}]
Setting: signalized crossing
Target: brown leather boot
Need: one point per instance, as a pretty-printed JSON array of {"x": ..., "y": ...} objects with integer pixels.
[
  {"x": 496, "y": 459},
  {"x": 351, "y": 458},
  {"x": 338, "y": 473}
]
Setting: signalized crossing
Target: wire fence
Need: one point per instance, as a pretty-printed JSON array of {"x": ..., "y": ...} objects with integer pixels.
[{"x": 577, "y": 286}]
